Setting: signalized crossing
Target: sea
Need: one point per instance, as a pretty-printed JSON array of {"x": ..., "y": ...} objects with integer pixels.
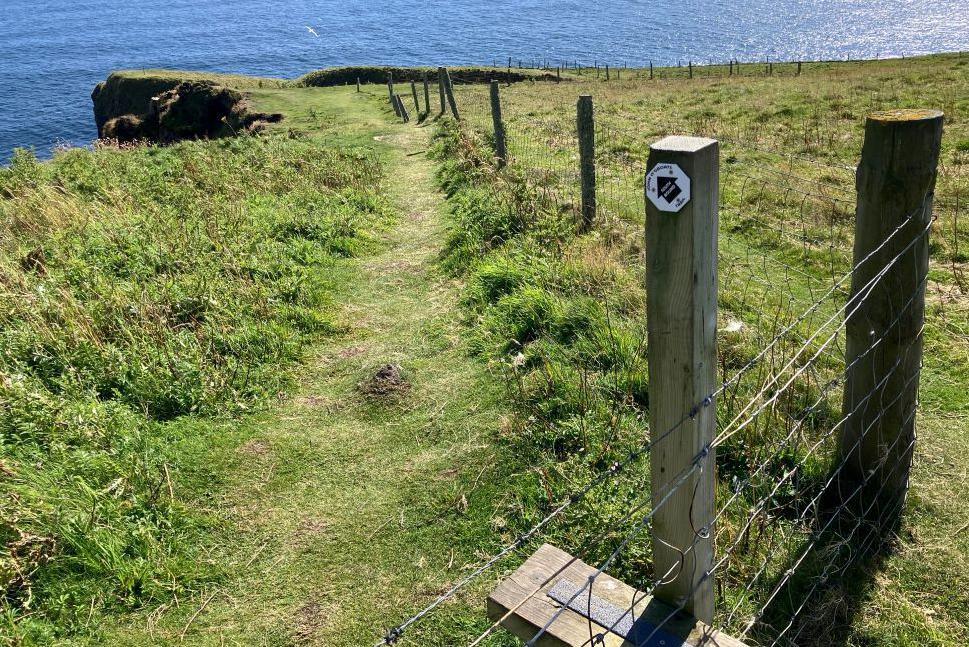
[{"x": 53, "y": 52}]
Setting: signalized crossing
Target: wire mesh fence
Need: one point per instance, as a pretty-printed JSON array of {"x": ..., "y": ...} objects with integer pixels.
[{"x": 787, "y": 522}]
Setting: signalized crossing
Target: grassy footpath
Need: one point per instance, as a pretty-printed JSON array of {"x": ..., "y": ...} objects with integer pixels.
[
  {"x": 339, "y": 506},
  {"x": 345, "y": 508}
]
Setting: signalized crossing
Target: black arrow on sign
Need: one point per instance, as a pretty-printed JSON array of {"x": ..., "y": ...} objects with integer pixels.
[{"x": 667, "y": 188}]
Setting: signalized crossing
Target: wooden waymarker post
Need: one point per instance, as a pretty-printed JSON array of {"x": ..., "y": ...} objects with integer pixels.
[
  {"x": 501, "y": 147},
  {"x": 682, "y": 194},
  {"x": 896, "y": 181},
  {"x": 531, "y": 597},
  {"x": 585, "y": 124}
]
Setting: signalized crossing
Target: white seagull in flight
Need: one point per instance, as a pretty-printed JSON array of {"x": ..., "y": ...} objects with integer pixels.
[{"x": 312, "y": 31}]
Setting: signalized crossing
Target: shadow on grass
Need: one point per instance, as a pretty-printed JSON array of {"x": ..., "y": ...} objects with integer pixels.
[{"x": 821, "y": 590}]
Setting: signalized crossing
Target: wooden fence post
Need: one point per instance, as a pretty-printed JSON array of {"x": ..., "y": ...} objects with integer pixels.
[
  {"x": 403, "y": 108},
  {"x": 358, "y": 84},
  {"x": 691, "y": 69},
  {"x": 681, "y": 306},
  {"x": 650, "y": 70},
  {"x": 417, "y": 104},
  {"x": 896, "y": 181},
  {"x": 585, "y": 124},
  {"x": 501, "y": 148},
  {"x": 395, "y": 105},
  {"x": 427, "y": 95},
  {"x": 390, "y": 86},
  {"x": 799, "y": 68},
  {"x": 607, "y": 71},
  {"x": 441, "y": 90},
  {"x": 450, "y": 94}
]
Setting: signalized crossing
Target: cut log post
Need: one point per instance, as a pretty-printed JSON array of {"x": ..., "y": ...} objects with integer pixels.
[
  {"x": 501, "y": 147},
  {"x": 895, "y": 181},
  {"x": 681, "y": 317},
  {"x": 585, "y": 124}
]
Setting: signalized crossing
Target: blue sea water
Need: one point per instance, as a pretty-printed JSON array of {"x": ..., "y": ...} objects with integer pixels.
[{"x": 53, "y": 52}]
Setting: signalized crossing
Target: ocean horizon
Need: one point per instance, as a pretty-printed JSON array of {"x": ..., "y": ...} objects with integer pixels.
[{"x": 57, "y": 51}]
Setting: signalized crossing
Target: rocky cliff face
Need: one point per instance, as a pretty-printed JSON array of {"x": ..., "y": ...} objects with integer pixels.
[{"x": 167, "y": 110}]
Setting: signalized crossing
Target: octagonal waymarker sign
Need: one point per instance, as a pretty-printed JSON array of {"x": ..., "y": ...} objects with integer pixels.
[{"x": 668, "y": 187}]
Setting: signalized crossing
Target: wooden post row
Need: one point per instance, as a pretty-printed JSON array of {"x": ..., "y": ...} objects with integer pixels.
[
  {"x": 682, "y": 194},
  {"x": 585, "y": 125},
  {"x": 895, "y": 180},
  {"x": 501, "y": 147}
]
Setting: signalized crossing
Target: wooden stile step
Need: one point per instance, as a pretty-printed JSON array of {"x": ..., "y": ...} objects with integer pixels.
[{"x": 534, "y": 593}]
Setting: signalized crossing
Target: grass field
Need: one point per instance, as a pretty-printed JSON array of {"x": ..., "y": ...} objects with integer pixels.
[
  {"x": 571, "y": 306},
  {"x": 193, "y": 448}
]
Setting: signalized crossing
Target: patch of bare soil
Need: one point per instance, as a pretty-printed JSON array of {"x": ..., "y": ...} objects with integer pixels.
[{"x": 388, "y": 382}]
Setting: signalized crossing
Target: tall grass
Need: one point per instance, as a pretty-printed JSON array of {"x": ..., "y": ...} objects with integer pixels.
[{"x": 138, "y": 287}]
